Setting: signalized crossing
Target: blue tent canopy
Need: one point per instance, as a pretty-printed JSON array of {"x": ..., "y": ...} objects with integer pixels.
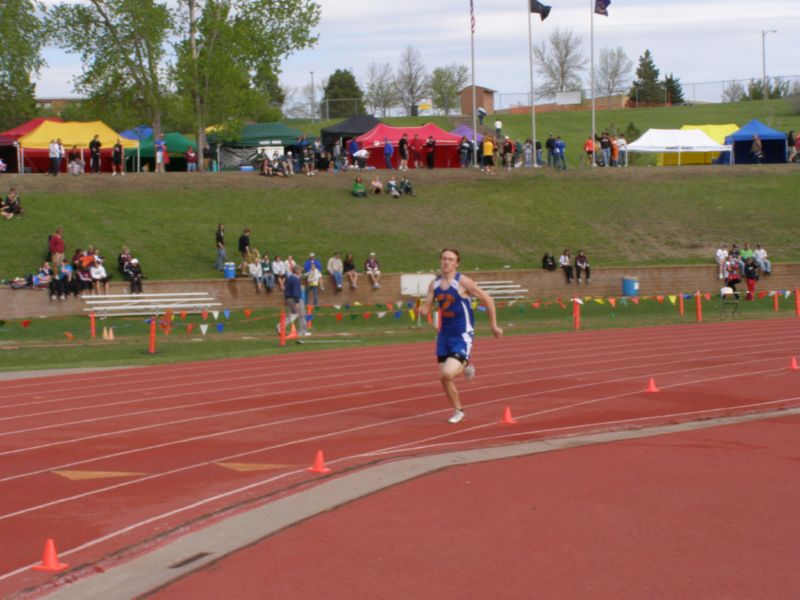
[
  {"x": 141, "y": 132},
  {"x": 466, "y": 131},
  {"x": 773, "y": 143}
]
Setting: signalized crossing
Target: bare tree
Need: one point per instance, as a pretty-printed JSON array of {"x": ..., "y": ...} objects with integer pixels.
[
  {"x": 411, "y": 82},
  {"x": 445, "y": 84},
  {"x": 732, "y": 92},
  {"x": 561, "y": 61},
  {"x": 613, "y": 71},
  {"x": 381, "y": 94}
]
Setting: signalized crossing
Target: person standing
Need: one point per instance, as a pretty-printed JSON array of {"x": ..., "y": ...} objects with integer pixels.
[
  {"x": 56, "y": 246},
  {"x": 757, "y": 149},
  {"x": 622, "y": 151},
  {"x": 117, "y": 156},
  {"x": 52, "y": 153},
  {"x": 452, "y": 291},
  {"x": 244, "y": 249},
  {"x": 161, "y": 153},
  {"x": 416, "y": 152},
  {"x": 293, "y": 295},
  {"x": 560, "y": 147},
  {"x": 388, "y": 151},
  {"x": 430, "y": 147},
  {"x": 403, "y": 147},
  {"x": 488, "y": 155},
  {"x": 751, "y": 277},
  {"x": 191, "y": 159},
  {"x": 94, "y": 153},
  {"x": 220, "y": 241},
  {"x": 498, "y": 128}
]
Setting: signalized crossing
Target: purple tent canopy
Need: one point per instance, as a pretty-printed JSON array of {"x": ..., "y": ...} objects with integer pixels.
[{"x": 467, "y": 131}]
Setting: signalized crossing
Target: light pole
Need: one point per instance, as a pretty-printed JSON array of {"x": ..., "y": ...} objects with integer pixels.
[
  {"x": 764, "y": 61},
  {"x": 313, "y": 98}
]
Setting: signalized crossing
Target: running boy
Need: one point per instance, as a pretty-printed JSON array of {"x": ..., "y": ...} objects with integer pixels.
[{"x": 452, "y": 290}]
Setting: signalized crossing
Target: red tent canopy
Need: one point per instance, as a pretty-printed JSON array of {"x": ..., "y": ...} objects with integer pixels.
[
  {"x": 7, "y": 138},
  {"x": 445, "y": 155}
]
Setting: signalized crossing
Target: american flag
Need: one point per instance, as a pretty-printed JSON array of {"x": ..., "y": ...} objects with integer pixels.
[{"x": 472, "y": 16}]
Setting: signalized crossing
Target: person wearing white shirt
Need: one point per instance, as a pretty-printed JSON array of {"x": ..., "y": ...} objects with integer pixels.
[
  {"x": 335, "y": 268},
  {"x": 55, "y": 157},
  {"x": 565, "y": 261},
  {"x": 279, "y": 271},
  {"x": 313, "y": 280},
  {"x": 722, "y": 257},
  {"x": 99, "y": 276},
  {"x": 256, "y": 272},
  {"x": 622, "y": 151},
  {"x": 761, "y": 260}
]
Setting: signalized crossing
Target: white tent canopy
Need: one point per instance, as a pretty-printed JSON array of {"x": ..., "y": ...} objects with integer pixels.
[{"x": 676, "y": 140}]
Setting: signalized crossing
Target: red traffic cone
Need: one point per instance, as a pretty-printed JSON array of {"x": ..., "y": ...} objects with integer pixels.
[
  {"x": 507, "y": 418},
  {"x": 651, "y": 386},
  {"x": 793, "y": 364},
  {"x": 50, "y": 560},
  {"x": 319, "y": 464},
  {"x": 292, "y": 334}
]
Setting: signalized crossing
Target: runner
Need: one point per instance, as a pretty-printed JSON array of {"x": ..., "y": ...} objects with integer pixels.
[{"x": 452, "y": 291}]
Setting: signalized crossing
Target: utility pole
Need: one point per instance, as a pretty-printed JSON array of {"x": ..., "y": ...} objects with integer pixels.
[{"x": 764, "y": 34}]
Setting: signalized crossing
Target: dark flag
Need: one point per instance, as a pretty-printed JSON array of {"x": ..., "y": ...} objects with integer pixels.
[
  {"x": 601, "y": 7},
  {"x": 540, "y": 9}
]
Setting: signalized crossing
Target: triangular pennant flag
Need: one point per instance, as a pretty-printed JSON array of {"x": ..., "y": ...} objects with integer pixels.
[
  {"x": 409, "y": 304},
  {"x": 227, "y": 313},
  {"x": 347, "y": 307},
  {"x": 672, "y": 298},
  {"x": 599, "y": 301},
  {"x": 398, "y": 314},
  {"x": 183, "y": 315},
  {"x": 578, "y": 300},
  {"x": 215, "y": 314},
  {"x": 786, "y": 293},
  {"x": 203, "y": 328},
  {"x": 190, "y": 327},
  {"x": 204, "y": 314},
  {"x": 337, "y": 306},
  {"x": 536, "y": 304},
  {"x": 353, "y": 316},
  {"x": 339, "y": 316},
  {"x": 707, "y": 295},
  {"x": 69, "y": 336},
  {"x": 390, "y": 306},
  {"x": 624, "y": 301},
  {"x": 660, "y": 299},
  {"x": 26, "y": 323},
  {"x": 412, "y": 314},
  {"x": 357, "y": 303},
  {"x": 381, "y": 314},
  {"x": 613, "y": 302},
  {"x": 762, "y": 295},
  {"x": 635, "y": 300},
  {"x": 247, "y": 313},
  {"x": 220, "y": 327},
  {"x": 561, "y": 304},
  {"x": 367, "y": 316}
]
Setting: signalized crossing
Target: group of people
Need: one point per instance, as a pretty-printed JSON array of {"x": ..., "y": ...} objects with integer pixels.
[
  {"x": 76, "y": 163},
  {"x": 746, "y": 263},
  {"x": 606, "y": 150},
  {"x": 392, "y": 188},
  {"x": 11, "y": 206},
  {"x": 579, "y": 268}
]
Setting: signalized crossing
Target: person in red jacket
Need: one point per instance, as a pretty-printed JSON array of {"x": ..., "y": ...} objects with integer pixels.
[{"x": 56, "y": 246}]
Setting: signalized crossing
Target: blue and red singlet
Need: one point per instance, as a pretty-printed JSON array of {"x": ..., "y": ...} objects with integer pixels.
[{"x": 457, "y": 331}]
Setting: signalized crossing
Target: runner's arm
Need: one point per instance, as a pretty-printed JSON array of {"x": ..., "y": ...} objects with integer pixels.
[{"x": 475, "y": 290}]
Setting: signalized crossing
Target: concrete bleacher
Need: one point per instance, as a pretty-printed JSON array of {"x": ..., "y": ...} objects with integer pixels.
[
  {"x": 128, "y": 305},
  {"x": 505, "y": 289}
]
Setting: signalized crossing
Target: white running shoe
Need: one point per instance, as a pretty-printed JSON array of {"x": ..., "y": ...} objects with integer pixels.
[
  {"x": 457, "y": 417},
  {"x": 469, "y": 371}
]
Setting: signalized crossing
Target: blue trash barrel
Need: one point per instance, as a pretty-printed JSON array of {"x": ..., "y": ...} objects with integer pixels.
[
  {"x": 630, "y": 286},
  {"x": 230, "y": 270}
]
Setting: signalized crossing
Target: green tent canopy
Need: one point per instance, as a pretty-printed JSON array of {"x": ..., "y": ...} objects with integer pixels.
[
  {"x": 268, "y": 134},
  {"x": 177, "y": 144}
]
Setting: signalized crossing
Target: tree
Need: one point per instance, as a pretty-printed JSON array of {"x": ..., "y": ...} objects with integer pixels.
[
  {"x": 411, "y": 81},
  {"x": 561, "y": 61},
  {"x": 776, "y": 88},
  {"x": 341, "y": 96},
  {"x": 21, "y": 40},
  {"x": 647, "y": 89},
  {"x": 122, "y": 48},
  {"x": 445, "y": 84},
  {"x": 674, "y": 90},
  {"x": 732, "y": 92},
  {"x": 613, "y": 71},
  {"x": 381, "y": 93},
  {"x": 227, "y": 50}
]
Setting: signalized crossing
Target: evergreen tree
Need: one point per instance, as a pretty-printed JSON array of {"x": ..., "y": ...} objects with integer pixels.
[
  {"x": 674, "y": 90},
  {"x": 342, "y": 96},
  {"x": 647, "y": 89}
]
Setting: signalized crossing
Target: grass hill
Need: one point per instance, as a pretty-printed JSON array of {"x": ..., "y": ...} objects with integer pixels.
[{"x": 635, "y": 216}]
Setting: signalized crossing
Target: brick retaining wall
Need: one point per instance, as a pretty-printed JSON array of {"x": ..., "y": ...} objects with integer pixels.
[{"x": 240, "y": 292}]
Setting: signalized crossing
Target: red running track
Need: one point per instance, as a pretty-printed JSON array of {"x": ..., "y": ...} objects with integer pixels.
[
  {"x": 706, "y": 515},
  {"x": 155, "y": 450}
]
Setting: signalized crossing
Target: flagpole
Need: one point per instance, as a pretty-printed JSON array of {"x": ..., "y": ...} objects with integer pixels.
[
  {"x": 474, "y": 94},
  {"x": 533, "y": 98},
  {"x": 594, "y": 125}
]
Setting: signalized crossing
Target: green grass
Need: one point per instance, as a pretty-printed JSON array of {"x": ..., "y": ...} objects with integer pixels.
[
  {"x": 43, "y": 345},
  {"x": 646, "y": 216}
]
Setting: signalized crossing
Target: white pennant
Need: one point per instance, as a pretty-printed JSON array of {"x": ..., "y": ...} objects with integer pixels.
[
  {"x": 215, "y": 314},
  {"x": 381, "y": 314},
  {"x": 203, "y": 328}
]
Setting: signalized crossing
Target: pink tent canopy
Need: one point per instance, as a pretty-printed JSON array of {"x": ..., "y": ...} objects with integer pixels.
[
  {"x": 445, "y": 155},
  {"x": 7, "y": 138}
]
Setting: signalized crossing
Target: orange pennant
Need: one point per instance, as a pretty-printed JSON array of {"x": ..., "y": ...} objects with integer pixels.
[
  {"x": 247, "y": 313},
  {"x": 183, "y": 315},
  {"x": 69, "y": 336},
  {"x": 660, "y": 299},
  {"x": 189, "y": 327},
  {"x": 612, "y": 302},
  {"x": 635, "y": 300}
]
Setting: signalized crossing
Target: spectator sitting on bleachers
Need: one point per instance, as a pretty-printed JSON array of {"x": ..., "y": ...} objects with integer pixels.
[
  {"x": 266, "y": 273},
  {"x": 732, "y": 272},
  {"x": 373, "y": 270},
  {"x": 565, "y": 262},
  {"x": 66, "y": 281},
  {"x": 122, "y": 261},
  {"x": 133, "y": 273},
  {"x": 279, "y": 271},
  {"x": 99, "y": 276},
  {"x": 350, "y": 271},
  {"x": 254, "y": 268},
  {"x": 582, "y": 268},
  {"x": 335, "y": 269},
  {"x": 549, "y": 261}
]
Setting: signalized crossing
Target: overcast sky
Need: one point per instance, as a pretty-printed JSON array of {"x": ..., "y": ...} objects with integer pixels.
[{"x": 696, "y": 40}]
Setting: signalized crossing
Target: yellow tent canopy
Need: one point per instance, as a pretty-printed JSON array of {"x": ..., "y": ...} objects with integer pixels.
[
  {"x": 718, "y": 133},
  {"x": 73, "y": 133}
]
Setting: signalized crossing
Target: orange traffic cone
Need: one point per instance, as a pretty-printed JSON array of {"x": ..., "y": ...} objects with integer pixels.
[
  {"x": 507, "y": 418},
  {"x": 110, "y": 334},
  {"x": 319, "y": 464},
  {"x": 292, "y": 334},
  {"x": 651, "y": 386},
  {"x": 793, "y": 365},
  {"x": 50, "y": 560},
  {"x": 105, "y": 333}
]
